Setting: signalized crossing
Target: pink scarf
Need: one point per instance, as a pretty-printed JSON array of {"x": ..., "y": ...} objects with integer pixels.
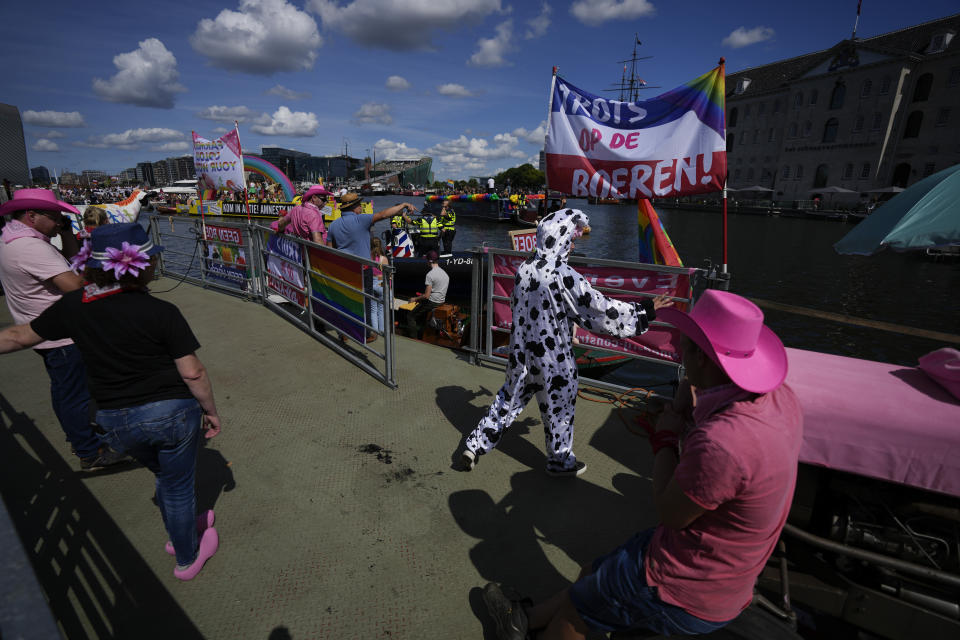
[{"x": 15, "y": 229}]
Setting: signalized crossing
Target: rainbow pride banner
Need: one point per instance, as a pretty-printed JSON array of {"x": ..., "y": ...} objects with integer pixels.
[
  {"x": 671, "y": 145},
  {"x": 336, "y": 283},
  {"x": 655, "y": 245}
]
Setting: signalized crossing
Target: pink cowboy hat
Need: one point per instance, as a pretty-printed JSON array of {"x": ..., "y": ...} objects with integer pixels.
[
  {"x": 35, "y": 200},
  {"x": 317, "y": 189},
  {"x": 731, "y": 332}
]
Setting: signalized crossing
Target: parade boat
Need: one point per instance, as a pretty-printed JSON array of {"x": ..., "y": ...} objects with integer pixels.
[{"x": 479, "y": 206}]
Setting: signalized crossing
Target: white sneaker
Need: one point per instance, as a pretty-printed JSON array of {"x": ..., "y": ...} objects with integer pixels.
[{"x": 468, "y": 460}]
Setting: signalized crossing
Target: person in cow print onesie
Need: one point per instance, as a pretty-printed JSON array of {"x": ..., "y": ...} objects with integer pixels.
[{"x": 549, "y": 297}]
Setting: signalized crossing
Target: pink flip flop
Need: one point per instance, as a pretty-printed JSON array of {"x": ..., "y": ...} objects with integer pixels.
[
  {"x": 209, "y": 543},
  {"x": 204, "y": 521}
]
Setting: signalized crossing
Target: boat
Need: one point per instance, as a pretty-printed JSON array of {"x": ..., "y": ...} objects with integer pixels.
[
  {"x": 478, "y": 206},
  {"x": 258, "y": 210}
]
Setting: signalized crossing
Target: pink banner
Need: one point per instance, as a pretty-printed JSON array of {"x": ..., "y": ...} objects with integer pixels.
[{"x": 655, "y": 343}]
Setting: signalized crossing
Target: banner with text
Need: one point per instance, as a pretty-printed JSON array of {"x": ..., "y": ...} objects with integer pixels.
[
  {"x": 671, "y": 145},
  {"x": 655, "y": 343},
  {"x": 219, "y": 163},
  {"x": 284, "y": 260}
]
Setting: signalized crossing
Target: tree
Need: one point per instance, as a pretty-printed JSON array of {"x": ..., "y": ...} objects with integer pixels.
[{"x": 526, "y": 176}]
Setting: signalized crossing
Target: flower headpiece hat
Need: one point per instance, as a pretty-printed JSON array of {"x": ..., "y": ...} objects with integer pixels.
[{"x": 121, "y": 248}]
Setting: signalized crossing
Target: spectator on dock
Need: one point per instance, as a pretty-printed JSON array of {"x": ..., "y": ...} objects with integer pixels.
[
  {"x": 35, "y": 275},
  {"x": 722, "y": 500},
  {"x": 351, "y": 231},
  {"x": 549, "y": 296},
  {"x": 306, "y": 220},
  {"x": 434, "y": 294},
  {"x": 153, "y": 393},
  {"x": 376, "y": 306},
  {"x": 93, "y": 217}
]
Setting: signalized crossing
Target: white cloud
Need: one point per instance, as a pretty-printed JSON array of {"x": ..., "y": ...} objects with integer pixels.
[
  {"x": 742, "y": 37},
  {"x": 263, "y": 37},
  {"x": 45, "y": 145},
  {"x": 284, "y": 122},
  {"x": 131, "y": 138},
  {"x": 229, "y": 114},
  {"x": 220, "y": 130},
  {"x": 54, "y": 118},
  {"x": 490, "y": 51},
  {"x": 454, "y": 90},
  {"x": 146, "y": 77},
  {"x": 390, "y": 150},
  {"x": 287, "y": 94},
  {"x": 174, "y": 146},
  {"x": 397, "y": 83},
  {"x": 400, "y": 25},
  {"x": 540, "y": 24},
  {"x": 373, "y": 113},
  {"x": 596, "y": 12},
  {"x": 53, "y": 133},
  {"x": 464, "y": 155},
  {"x": 533, "y": 137}
]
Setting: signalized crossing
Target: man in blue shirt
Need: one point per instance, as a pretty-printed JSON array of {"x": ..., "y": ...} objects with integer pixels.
[{"x": 351, "y": 231}]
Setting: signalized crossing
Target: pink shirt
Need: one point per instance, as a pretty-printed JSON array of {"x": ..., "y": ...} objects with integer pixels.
[
  {"x": 26, "y": 266},
  {"x": 739, "y": 462},
  {"x": 304, "y": 220}
]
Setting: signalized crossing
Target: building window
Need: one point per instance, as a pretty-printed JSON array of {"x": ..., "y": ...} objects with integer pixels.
[
  {"x": 742, "y": 85},
  {"x": 820, "y": 179},
  {"x": 746, "y": 110},
  {"x": 798, "y": 99},
  {"x": 901, "y": 175},
  {"x": 928, "y": 169},
  {"x": 729, "y": 142},
  {"x": 793, "y": 130},
  {"x": 807, "y": 129},
  {"x": 877, "y": 121},
  {"x": 914, "y": 121},
  {"x": 813, "y": 96},
  {"x": 921, "y": 92},
  {"x": 756, "y": 135},
  {"x": 865, "y": 170},
  {"x": 799, "y": 173},
  {"x": 736, "y": 174},
  {"x": 838, "y": 95},
  {"x": 858, "y": 124},
  {"x": 750, "y": 173},
  {"x": 762, "y": 109},
  {"x": 785, "y": 174},
  {"x": 885, "y": 85},
  {"x": 866, "y": 88},
  {"x": 943, "y": 117},
  {"x": 830, "y": 130},
  {"x": 776, "y": 106},
  {"x": 939, "y": 42},
  {"x": 848, "y": 171},
  {"x": 733, "y": 117},
  {"x": 770, "y": 135},
  {"x": 954, "y": 77}
]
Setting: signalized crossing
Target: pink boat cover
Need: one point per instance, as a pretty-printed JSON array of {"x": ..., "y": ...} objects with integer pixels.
[{"x": 876, "y": 419}]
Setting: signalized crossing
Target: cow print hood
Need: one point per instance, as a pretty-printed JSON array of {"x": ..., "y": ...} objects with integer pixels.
[{"x": 556, "y": 232}]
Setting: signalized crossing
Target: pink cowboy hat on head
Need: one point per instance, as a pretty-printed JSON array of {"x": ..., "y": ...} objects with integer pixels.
[
  {"x": 731, "y": 332},
  {"x": 317, "y": 189},
  {"x": 35, "y": 200}
]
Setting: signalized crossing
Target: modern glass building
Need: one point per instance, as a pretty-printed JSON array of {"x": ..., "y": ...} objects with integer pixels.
[{"x": 13, "y": 148}]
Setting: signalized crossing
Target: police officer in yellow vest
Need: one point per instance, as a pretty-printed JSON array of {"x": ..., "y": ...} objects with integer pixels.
[
  {"x": 429, "y": 238},
  {"x": 448, "y": 226}
]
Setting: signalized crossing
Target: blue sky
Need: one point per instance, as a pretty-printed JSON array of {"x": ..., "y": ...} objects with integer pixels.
[{"x": 104, "y": 85}]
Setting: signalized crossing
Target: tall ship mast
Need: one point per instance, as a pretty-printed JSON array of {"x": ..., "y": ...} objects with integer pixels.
[{"x": 631, "y": 84}]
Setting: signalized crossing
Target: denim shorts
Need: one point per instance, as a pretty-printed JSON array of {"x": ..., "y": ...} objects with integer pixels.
[{"x": 616, "y": 596}]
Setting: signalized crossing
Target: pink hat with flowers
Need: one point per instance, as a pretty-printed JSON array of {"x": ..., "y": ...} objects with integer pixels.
[{"x": 730, "y": 330}]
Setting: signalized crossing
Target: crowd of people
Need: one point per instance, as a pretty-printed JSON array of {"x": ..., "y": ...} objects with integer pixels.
[{"x": 725, "y": 450}]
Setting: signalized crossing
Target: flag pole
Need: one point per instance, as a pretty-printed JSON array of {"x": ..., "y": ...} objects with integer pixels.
[
  {"x": 203, "y": 222},
  {"x": 723, "y": 77},
  {"x": 546, "y": 174},
  {"x": 857, "y": 21},
  {"x": 246, "y": 202}
]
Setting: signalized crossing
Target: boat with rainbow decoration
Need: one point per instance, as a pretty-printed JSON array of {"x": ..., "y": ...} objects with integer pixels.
[{"x": 484, "y": 206}]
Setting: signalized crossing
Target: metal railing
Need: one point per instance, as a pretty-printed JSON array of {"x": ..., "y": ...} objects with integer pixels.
[
  {"x": 314, "y": 287},
  {"x": 680, "y": 280}
]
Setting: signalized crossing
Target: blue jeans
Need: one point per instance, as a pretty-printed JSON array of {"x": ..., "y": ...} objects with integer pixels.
[
  {"x": 164, "y": 436},
  {"x": 71, "y": 397},
  {"x": 616, "y": 596},
  {"x": 376, "y": 307}
]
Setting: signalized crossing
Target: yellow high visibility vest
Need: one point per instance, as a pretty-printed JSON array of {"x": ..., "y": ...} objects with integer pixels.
[{"x": 429, "y": 228}]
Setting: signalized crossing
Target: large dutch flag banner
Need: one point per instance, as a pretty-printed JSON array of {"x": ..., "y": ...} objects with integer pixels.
[{"x": 671, "y": 145}]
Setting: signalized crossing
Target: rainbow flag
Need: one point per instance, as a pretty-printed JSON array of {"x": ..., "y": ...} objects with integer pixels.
[
  {"x": 670, "y": 145},
  {"x": 655, "y": 244},
  {"x": 331, "y": 279},
  {"x": 451, "y": 184}
]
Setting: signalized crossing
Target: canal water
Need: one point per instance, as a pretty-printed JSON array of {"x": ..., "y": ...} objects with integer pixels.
[{"x": 785, "y": 260}]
